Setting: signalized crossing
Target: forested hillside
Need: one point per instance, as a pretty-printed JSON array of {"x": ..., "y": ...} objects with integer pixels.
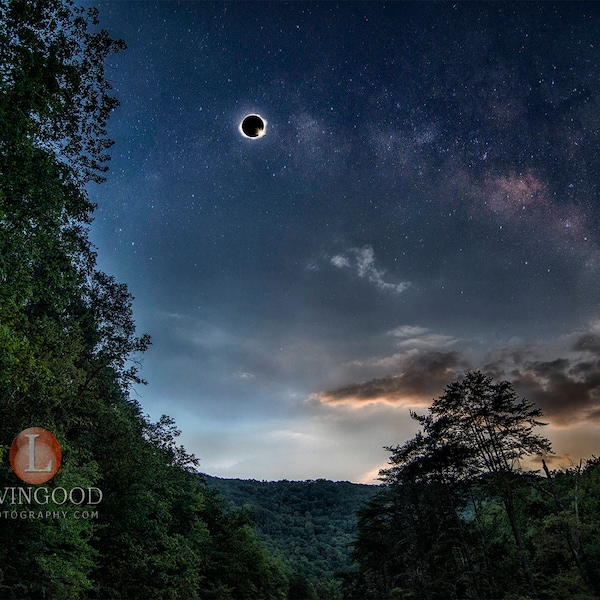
[
  {"x": 310, "y": 525},
  {"x": 69, "y": 354}
]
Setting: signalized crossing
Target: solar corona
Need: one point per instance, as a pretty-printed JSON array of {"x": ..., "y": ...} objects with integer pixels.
[{"x": 253, "y": 126}]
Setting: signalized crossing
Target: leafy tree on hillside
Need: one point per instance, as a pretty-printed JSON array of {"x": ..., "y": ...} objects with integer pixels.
[
  {"x": 301, "y": 589},
  {"x": 476, "y": 428},
  {"x": 55, "y": 97},
  {"x": 54, "y": 103},
  {"x": 457, "y": 517}
]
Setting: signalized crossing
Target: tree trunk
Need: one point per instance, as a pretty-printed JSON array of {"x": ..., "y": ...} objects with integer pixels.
[
  {"x": 510, "y": 511},
  {"x": 573, "y": 540}
]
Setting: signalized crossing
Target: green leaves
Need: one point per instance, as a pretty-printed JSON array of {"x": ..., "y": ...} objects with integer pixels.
[
  {"x": 459, "y": 519},
  {"x": 53, "y": 84},
  {"x": 309, "y": 524}
]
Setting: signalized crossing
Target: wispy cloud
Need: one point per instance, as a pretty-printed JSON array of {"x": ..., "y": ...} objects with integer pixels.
[
  {"x": 407, "y": 331},
  {"x": 340, "y": 261},
  {"x": 244, "y": 375},
  {"x": 410, "y": 336},
  {"x": 363, "y": 261}
]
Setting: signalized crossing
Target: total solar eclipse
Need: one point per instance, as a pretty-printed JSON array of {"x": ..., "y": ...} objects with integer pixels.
[{"x": 253, "y": 126}]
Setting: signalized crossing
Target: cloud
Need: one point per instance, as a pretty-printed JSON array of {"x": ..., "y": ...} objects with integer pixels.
[
  {"x": 311, "y": 267},
  {"x": 424, "y": 374},
  {"x": 588, "y": 343},
  {"x": 340, "y": 261},
  {"x": 566, "y": 388},
  {"x": 194, "y": 332},
  {"x": 412, "y": 342},
  {"x": 244, "y": 375},
  {"x": 420, "y": 337},
  {"x": 353, "y": 443},
  {"x": 559, "y": 461},
  {"x": 405, "y": 331},
  {"x": 372, "y": 476},
  {"x": 363, "y": 259}
]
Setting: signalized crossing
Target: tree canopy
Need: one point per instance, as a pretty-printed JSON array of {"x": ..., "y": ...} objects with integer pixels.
[
  {"x": 459, "y": 517},
  {"x": 475, "y": 428}
]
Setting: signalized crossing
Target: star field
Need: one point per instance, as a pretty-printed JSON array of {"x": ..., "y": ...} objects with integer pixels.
[{"x": 424, "y": 201}]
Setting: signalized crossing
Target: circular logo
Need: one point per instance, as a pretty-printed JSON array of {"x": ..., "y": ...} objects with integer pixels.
[{"x": 35, "y": 455}]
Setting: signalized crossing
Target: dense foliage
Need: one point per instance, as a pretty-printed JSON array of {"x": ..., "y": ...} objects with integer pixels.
[
  {"x": 309, "y": 524},
  {"x": 68, "y": 353},
  {"x": 458, "y": 518}
]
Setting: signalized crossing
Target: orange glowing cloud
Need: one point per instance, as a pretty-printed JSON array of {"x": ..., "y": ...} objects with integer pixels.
[{"x": 424, "y": 376}]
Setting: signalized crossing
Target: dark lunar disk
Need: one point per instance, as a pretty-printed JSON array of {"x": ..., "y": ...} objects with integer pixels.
[{"x": 253, "y": 126}]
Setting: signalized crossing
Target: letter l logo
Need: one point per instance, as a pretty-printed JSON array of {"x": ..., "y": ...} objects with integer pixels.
[{"x": 31, "y": 469}]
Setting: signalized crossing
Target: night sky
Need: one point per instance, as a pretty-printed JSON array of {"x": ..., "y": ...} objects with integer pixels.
[{"x": 424, "y": 201}]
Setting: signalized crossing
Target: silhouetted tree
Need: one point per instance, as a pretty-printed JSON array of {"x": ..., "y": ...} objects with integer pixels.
[{"x": 475, "y": 429}]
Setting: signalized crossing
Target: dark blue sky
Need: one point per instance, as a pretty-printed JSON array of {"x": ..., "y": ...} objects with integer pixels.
[{"x": 424, "y": 201}]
